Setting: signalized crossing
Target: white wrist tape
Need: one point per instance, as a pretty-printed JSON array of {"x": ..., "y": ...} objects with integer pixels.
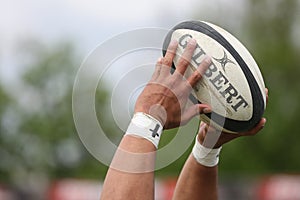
[
  {"x": 206, "y": 156},
  {"x": 145, "y": 126}
]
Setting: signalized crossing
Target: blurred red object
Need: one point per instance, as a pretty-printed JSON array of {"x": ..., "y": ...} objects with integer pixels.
[
  {"x": 169, "y": 186},
  {"x": 280, "y": 187},
  {"x": 72, "y": 189},
  {"x": 5, "y": 194}
]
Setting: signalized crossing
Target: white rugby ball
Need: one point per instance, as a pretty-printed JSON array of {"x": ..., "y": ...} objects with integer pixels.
[{"x": 233, "y": 85}]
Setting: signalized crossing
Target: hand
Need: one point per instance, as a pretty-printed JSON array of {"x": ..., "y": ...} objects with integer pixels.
[
  {"x": 207, "y": 135},
  {"x": 166, "y": 95}
]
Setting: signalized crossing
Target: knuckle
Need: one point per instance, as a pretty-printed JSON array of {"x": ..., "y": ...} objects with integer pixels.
[
  {"x": 197, "y": 75},
  {"x": 183, "y": 62},
  {"x": 167, "y": 61}
]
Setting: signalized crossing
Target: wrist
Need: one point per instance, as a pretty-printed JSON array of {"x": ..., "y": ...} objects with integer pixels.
[
  {"x": 158, "y": 112},
  {"x": 206, "y": 156},
  {"x": 145, "y": 126}
]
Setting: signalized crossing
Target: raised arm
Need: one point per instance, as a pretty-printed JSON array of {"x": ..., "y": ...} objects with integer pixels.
[
  {"x": 161, "y": 105},
  {"x": 199, "y": 176}
]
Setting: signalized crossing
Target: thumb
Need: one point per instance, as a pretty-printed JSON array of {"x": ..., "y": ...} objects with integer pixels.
[
  {"x": 193, "y": 111},
  {"x": 203, "y": 128}
]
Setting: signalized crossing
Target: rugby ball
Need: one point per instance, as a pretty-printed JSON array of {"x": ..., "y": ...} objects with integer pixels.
[{"x": 233, "y": 84}]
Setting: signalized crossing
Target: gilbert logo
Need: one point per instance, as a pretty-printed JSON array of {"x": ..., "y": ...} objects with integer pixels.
[
  {"x": 216, "y": 77},
  {"x": 224, "y": 61}
]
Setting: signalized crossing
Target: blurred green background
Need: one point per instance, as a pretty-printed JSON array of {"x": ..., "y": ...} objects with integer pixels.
[{"x": 38, "y": 140}]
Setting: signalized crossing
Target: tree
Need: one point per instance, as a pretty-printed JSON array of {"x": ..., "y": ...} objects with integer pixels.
[
  {"x": 43, "y": 145},
  {"x": 4, "y": 101}
]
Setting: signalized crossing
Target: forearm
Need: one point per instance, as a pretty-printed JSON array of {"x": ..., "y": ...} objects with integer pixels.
[
  {"x": 196, "y": 182},
  {"x": 131, "y": 175}
]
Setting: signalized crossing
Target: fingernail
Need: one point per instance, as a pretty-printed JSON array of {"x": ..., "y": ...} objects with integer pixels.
[
  {"x": 207, "y": 110},
  {"x": 207, "y": 59},
  {"x": 265, "y": 121},
  {"x": 173, "y": 42},
  {"x": 192, "y": 42}
]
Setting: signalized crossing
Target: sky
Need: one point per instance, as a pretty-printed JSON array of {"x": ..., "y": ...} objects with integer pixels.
[{"x": 89, "y": 22}]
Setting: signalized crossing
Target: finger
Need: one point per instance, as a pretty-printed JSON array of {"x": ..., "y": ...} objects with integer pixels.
[
  {"x": 195, "y": 110},
  {"x": 267, "y": 94},
  {"x": 197, "y": 74},
  {"x": 257, "y": 128},
  {"x": 212, "y": 138},
  {"x": 203, "y": 126},
  {"x": 157, "y": 69},
  {"x": 206, "y": 127},
  {"x": 170, "y": 54},
  {"x": 185, "y": 59},
  {"x": 202, "y": 132}
]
